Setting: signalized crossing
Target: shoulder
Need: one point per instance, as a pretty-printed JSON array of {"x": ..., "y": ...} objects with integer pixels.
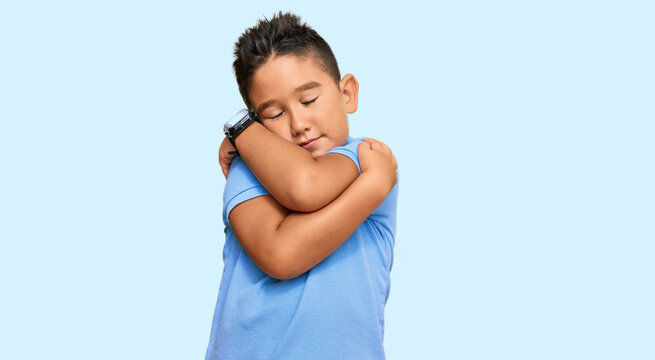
[{"x": 349, "y": 150}]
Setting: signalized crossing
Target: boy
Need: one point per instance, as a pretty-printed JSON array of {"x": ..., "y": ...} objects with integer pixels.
[{"x": 309, "y": 231}]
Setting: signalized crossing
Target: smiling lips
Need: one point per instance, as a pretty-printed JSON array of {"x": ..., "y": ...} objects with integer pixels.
[{"x": 308, "y": 144}]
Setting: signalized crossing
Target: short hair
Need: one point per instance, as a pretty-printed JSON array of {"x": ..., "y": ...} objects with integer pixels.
[{"x": 284, "y": 34}]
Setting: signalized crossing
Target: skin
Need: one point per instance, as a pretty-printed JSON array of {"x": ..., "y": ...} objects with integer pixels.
[
  {"x": 316, "y": 200},
  {"x": 286, "y": 244},
  {"x": 298, "y": 101}
]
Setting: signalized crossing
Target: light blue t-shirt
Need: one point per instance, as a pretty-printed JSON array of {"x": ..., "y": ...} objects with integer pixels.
[{"x": 333, "y": 311}]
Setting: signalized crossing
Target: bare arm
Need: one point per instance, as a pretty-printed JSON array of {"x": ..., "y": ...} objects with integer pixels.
[
  {"x": 291, "y": 175},
  {"x": 285, "y": 244}
]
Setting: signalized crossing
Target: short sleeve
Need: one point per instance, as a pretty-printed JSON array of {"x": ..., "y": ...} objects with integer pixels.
[
  {"x": 241, "y": 186},
  {"x": 349, "y": 150}
]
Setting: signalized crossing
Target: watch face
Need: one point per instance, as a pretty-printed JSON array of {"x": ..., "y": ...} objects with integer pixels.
[{"x": 236, "y": 118}]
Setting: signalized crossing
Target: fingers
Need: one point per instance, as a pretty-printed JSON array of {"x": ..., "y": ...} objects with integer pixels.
[
  {"x": 381, "y": 147},
  {"x": 226, "y": 149},
  {"x": 227, "y": 145},
  {"x": 226, "y": 153},
  {"x": 226, "y": 157},
  {"x": 378, "y": 145},
  {"x": 225, "y": 163},
  {"x": 364, "y": 146}
]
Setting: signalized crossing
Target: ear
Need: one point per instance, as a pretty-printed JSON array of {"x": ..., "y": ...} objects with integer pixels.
[{"x": 349, "y": 90}]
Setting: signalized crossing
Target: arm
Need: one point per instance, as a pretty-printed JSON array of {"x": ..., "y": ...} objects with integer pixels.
[
  {"x": 286, "y": 244},
  {"x": 291, "y": 175}
]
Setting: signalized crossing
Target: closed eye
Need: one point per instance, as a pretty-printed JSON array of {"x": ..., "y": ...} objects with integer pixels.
[
  {"x": 310, "y": 101},
  {"x": 276, "y": 116}
]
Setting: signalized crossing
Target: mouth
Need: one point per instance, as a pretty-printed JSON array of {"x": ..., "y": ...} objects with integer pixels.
[{"x": 309, "y": 143}]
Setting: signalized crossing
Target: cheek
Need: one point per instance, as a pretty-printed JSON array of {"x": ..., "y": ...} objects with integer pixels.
[
  {"x": 278, "y": 128},
  {"x": 334, "y": 112}
]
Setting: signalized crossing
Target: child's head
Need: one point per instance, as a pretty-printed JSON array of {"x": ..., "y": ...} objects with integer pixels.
[{"x": 289, "y": 76}]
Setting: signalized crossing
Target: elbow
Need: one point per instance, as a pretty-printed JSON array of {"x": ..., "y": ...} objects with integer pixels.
[
  {"x": 282, "y": 275},
  {"x": 301, "y": 196},
  {"x": 276, "y": 256},
  {"x": 281, "y": 267}
]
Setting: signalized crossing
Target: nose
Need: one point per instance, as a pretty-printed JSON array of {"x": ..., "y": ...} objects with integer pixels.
[{"x": 298, "y": 124}]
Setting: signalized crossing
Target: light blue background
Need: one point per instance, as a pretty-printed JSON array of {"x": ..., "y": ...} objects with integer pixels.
[{"x": 524, "y": 134}]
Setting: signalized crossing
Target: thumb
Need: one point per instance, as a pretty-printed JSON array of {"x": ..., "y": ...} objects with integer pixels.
[
  {"x": 363, "y": 147},
  {"x": 366, "y": 145},
  {"x": 225, "y": 168}
]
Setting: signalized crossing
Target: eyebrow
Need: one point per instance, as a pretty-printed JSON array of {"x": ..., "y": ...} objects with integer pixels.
[{"x": 307, "y": 86}]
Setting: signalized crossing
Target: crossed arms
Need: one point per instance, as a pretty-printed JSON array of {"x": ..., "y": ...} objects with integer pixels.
[{"x": 314, "y": 204}]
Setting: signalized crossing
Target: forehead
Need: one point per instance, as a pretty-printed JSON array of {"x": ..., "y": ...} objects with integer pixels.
[{"x": 282, "y": 75}]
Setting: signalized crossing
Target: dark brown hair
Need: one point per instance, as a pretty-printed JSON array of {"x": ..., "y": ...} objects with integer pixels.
[{"x": 284, "y": 34}]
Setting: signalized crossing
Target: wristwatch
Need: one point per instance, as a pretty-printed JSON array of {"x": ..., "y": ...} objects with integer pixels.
[{"x": 239, "y": 122}]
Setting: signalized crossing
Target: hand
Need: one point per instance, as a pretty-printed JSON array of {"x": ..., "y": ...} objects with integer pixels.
[
  {"x": 225, "y": 155},
  {"x": 376, "y": 157}
]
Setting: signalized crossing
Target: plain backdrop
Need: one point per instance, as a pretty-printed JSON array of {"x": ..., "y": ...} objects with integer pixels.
[{"x": 524, "y": 133}]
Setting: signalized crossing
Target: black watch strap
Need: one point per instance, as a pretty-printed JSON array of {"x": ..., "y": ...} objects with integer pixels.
[{"x": 238, "y": 123}]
